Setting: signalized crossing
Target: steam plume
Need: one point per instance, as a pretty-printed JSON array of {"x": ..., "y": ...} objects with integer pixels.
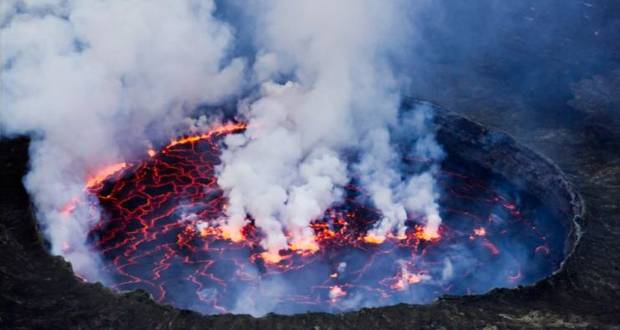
[
  {"x": 93, "y": 82},
  {"x": 343, "y": 94}
]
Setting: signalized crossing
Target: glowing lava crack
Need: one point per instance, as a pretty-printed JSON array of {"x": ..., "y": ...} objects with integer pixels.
[{"x": 159, "y": 232}]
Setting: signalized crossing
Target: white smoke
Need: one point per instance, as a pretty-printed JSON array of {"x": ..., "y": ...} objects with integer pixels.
[
  {"x": 393, "y": 195},
  {"x": 92, "y": 81},
  {"x": 288, "y": 167}
]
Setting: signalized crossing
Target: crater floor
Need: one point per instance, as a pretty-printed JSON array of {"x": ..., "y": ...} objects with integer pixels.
[{"x": 158, "y": 232}]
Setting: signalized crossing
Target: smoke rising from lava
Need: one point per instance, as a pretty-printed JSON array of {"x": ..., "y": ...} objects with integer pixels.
[
  {"x": 340, "y": 93},
  {"x": 96, "y": 82},
  {"x": 108, "y": 77},
  {"x": 92, "y": 82}
]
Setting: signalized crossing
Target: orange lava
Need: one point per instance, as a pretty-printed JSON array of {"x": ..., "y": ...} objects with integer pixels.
[
  {"x": 405, "y": 280},
  {"x": 109, "y": 170},
  {"x": 225, "y": 233},
  {"x": 308, "y": 247},
  {"x": 104, "y": 173},
  {"x": 423, "y": 234},
  {"x": 232, "y": 234},
  {"x": 373, "y": 239},
  {"x": 336, "y": 292},
  {"x": 219, "y": 130},
  {"x": 271, "y": 257}
]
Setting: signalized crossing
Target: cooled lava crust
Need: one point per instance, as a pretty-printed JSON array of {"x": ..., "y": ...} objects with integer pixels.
[{"x": 159, "y": 232}]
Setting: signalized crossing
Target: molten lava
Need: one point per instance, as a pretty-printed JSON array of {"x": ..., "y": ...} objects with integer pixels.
[
  {"x": 160, "y": 232},
  {"x": 103, "y": 173}
]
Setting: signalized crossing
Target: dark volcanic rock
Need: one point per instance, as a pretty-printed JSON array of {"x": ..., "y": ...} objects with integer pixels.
[{"x": 39, "y": 291}]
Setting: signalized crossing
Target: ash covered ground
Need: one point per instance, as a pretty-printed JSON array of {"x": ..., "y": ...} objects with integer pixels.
[{"x": 566, "y": 111}]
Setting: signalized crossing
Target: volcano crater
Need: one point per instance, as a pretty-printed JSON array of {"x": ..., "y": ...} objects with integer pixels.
[{"x": 509, "y": 219}]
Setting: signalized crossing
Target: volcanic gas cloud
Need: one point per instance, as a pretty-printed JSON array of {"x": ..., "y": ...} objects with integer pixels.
[
  {"x": 162, "y": 231},
  {"x": 316, "y": 192}
]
